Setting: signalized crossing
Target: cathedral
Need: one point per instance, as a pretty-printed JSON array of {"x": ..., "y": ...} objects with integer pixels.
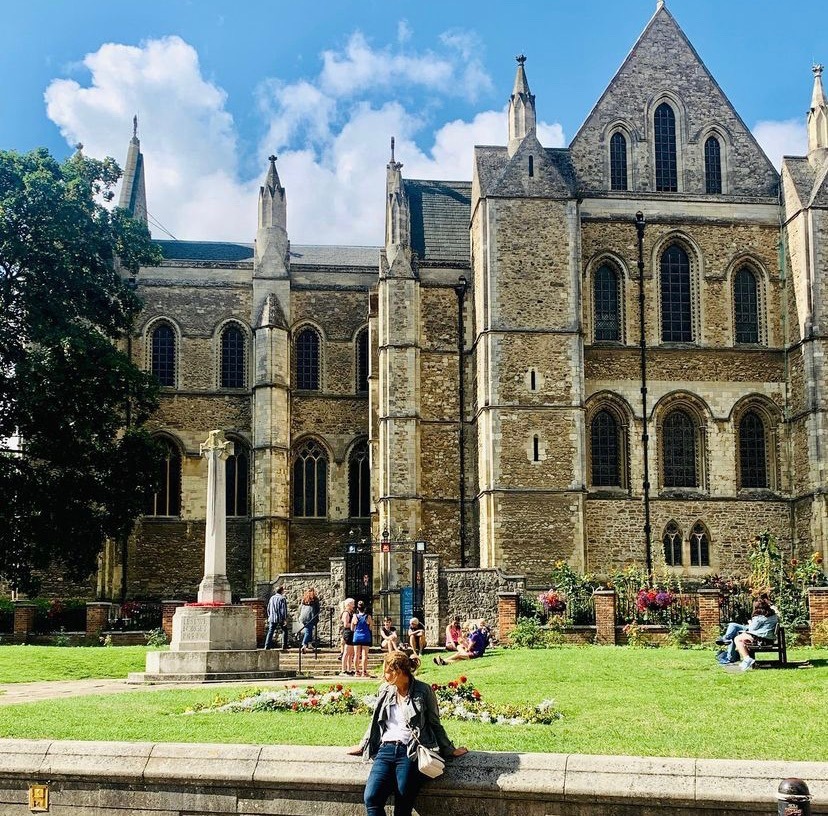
[{"x": 477, "y": 381}]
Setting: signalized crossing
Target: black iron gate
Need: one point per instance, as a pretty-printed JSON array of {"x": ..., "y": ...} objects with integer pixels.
[
  {"x": 359, "y": 572},
  {"x": 400, "y": 592}
]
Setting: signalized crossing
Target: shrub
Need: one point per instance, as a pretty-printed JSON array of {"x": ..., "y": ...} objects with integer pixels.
[
  {"x": 527, "y": 634},
  {"x": 635, "y": 636},
  {"x": 819, "y": 635},
  {"x": 156, "y": 638},
  {"x": 679, "y": 635}
]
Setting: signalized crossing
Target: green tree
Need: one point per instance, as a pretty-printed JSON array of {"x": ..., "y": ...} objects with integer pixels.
[{"x": 75, "y": 461}]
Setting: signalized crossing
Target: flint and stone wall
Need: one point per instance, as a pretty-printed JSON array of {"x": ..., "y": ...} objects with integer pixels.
[{"x": 139, "y": 779}]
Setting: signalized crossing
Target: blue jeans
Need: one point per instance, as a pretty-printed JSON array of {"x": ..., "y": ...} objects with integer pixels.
[
  {"x": 307, "y": 636},
  {"x": 730, "y": 655},
  {"x": 392, "y": 772},
  {"x": 272, "y": 630}
]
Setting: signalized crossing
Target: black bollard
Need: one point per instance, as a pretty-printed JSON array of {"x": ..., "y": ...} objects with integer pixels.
[{"x": 794, "y": 798}]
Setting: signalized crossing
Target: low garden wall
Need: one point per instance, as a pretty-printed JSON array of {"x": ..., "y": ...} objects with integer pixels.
[{"x": 146, "y": 779}]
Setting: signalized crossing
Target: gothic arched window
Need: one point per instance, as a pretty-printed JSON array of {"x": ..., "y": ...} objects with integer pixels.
[
  {"x": 753, "y": 453},
  {"x": 606, "y": 298},
  {"x": 362, "y": 362},
  {"x": 359, "y": 482},
  {"x": 237, "y": 471},
  {"x": 679, "y": 450},
  {"x": 618, "y": 161},
  {"x": 672, "y": 545},
  {"x": 666, "y": 166},
  {"x": 699, "y": 546},
  {"x": 162, "y": 344},
  {"x": 308, "y": 360},
  {"x": 746, "y": 306},
  {"x": 676, "y": 296},
  {"x": 712, "y": 165},
  {"x": 233, "y": 347},
  {"x": 310, "y": 480},
  {"x": 166, "y": 501},
  {"x": 605, "y": 439}
]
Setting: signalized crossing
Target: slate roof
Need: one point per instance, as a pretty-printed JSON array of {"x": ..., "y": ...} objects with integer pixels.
[
  {"x": 227, "y": 252},
  {"x": 205, "y": 251},
  {"x": 553, "y": 176},
  {"x": 440, "y": 215}
]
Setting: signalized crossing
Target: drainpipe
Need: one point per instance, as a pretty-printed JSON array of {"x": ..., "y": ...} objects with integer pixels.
[{"x": 460, "y": 290}]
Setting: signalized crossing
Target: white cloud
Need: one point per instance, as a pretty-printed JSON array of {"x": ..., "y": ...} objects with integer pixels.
[
  {"x": 331, "y": 132},
  {"x": 778, "y": 139},
  {"x": 190, "y": 145}
]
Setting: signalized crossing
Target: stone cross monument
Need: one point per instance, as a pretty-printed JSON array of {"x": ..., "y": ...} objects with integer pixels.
[{"x": 214, "y": 587}]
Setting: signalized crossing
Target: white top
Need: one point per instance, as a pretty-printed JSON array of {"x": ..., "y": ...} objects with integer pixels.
[{"x": 396, "y": 728}]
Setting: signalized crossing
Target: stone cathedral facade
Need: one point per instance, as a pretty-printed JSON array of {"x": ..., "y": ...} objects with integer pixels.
[{"x": 475, "y": 381}]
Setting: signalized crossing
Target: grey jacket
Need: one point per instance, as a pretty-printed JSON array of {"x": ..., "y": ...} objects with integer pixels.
[
  {"x": 763, "y": 627},
  {"x": 422, "y": 712}
]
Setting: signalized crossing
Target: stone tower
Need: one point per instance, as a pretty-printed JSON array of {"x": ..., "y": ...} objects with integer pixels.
[
  {"x": 272, "y": 383},
  {"x": 806, "y": 209},
  {"x": 397, "y": 465},
  {"x": 529, "y": 372}
]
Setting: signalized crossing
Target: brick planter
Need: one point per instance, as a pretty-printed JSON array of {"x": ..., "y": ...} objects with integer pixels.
[{"x": 709, "y": 615}]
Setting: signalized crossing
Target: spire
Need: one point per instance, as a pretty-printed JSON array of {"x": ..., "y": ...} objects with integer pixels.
[
  {"x": 818, "y": 118},
  {"x": 272, "y": 200},
  {"x": 522, "y": 120},
  {"x": 133, "y": 190},
  {"x": 272, "y": 245},
  {"x": 397, "y": 213}
]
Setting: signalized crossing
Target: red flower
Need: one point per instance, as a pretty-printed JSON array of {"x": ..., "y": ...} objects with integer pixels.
[
  {"x": 339, "y": 686},
  {"x": 434, "y": 686},
  {"x": 295, "y": 706},
  {"x": 463, "y": 678},
  {"x": 452, "y": 684},
  {"x": 476, "y": 694},
  {"x": 314, "y": 702}
]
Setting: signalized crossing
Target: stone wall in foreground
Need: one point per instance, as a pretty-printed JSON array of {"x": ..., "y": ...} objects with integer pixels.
[{"x": 146, "y": 779}]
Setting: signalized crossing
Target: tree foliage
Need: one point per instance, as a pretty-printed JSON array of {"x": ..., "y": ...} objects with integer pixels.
[{"x": 75, "y": 461}]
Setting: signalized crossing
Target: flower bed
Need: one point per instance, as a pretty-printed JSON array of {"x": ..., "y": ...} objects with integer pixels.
[{"x": 458, "y": 700}]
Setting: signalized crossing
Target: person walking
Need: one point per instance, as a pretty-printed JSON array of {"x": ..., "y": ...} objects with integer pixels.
[
  {"x": 308, "y": 616},
  {"x": 277, "y": 618},
  {"x": 362, "y": 625}
]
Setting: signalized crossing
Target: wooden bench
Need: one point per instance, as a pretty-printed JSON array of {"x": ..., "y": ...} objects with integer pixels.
[{"x": 775, "y": 646}]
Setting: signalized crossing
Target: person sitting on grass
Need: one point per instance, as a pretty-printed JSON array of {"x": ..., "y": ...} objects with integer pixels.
[
  {"x": 474, "y": 646},
  {"x": 738, "y": 638},
  {"x": 416, "y": 636},
  {"x": 454, "y": 635}
]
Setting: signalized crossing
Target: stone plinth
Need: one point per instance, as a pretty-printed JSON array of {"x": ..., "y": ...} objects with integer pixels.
[
  {"x": 206, "y": 628},
  {"x": 210, "y": 666},
  {"x": 211, "y": 644}
]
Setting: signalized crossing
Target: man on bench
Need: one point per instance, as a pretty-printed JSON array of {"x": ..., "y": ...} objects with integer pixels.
[{"x": 739, "y": 639}]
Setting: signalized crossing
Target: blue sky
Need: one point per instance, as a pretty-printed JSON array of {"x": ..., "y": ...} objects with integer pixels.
[{"x": 218, "y": 86}]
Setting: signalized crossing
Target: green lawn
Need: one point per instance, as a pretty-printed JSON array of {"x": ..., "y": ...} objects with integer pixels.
[
  {"x": 656, "y": 702},
  {"x": 24, "y": 664}
]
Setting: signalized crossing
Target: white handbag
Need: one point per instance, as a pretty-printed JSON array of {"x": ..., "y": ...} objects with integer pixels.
[{"x": 429, "y": 761}]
